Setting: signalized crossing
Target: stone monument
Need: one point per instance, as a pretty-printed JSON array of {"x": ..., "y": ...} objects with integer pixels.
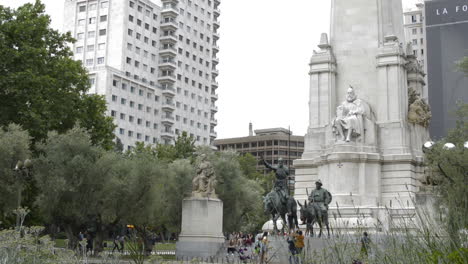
[
  {"x": 202, "y": 216},
  {"x": 365, "y": 134}
]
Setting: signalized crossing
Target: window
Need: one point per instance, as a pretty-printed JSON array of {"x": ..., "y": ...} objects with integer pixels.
[
  {"x": 80, "y": 35},
  {"x": 81, "y": 22},
  {"x": 130, "y": 18},
  {"x": 113, "y": 113},
  {"x": 92, "y": 20},
  {"x": 130, "y": 133},
  {"x": 102, "y": 32},
  {"x": 123, "y": 101},
  {"x": 122, "y": 131},
  {"x": 415, "y": 42},
  {"x": 140, "y": 92},
  {"x": 79, "y": 49},
  {"x": 155, "y": 30},
  {"x": 139, "y": 8},
  {"x": 104, "y": 4},
  {"x": 139, "y": 121},
  {"x": 114, "y": 98},
  {"x": 82, "y": 8},
  {"x": 89, "y": 62},
  {"x": 132, "y": 4},
  {"x": 91, "y": 34},
  {"x": 132, "y": 104},
  {"x": 90, "y": 48},
  {"x": 100, "y": 60},
  {"x": 147, "y": 26},
  {"x": 101, "y": 46},
  {"x": 130, "y": 119},
  {"x": 138, "y": 36},
  {"x": 130, "y": 32},
  {"x": 138, "y": 22},
  {"x": 414, "y": 19},
  {"x": 414, "y": 31},
  {"x": 129, "y": 60},
  {"x": 103, "y": 18}
]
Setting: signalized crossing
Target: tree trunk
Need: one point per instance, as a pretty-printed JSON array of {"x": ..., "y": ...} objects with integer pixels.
[{"x": 71, "y": 236}]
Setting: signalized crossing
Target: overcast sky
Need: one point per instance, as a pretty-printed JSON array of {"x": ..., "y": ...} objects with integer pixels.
[{"x": 265, "y": 47}]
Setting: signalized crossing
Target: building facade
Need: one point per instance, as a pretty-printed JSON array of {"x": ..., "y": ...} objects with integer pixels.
[
  {"x": 447, "y": 43},
  {"x": 155, "y": 64},
  {"x": 271, "y": 144}
]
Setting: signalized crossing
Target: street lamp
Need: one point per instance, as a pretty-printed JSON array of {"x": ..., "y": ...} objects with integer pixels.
[{"x": 22, "y": 170}]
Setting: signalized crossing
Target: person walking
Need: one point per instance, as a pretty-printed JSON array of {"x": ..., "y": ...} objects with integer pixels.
[
  {"x": 116, "y": 244},
  {"x": 264, "y": 248},
  {"x": 122, "y": 243},
  {"x": 292, "y": 249},
  {"x": 365, "y": 244},
  {"x": 299, "y": 237}
]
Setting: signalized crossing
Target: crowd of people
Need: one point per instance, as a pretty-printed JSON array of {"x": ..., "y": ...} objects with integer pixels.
[{"x": 249, "y": 247}]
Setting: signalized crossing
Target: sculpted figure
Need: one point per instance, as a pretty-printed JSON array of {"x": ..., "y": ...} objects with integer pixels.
[
  {"x": 319, "y": 200},
  {"x": 205, "y": 182},
  {"x": 348, "y": 124},
  {"x": 419, "y": 111},
  {"x": 281, "y": 183}
]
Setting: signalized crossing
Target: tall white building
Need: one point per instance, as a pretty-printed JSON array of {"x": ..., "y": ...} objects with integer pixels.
[{"x": 155, "y": 64}]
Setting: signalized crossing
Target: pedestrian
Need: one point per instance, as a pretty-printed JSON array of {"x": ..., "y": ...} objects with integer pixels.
[
  {"x": 89, "y": 243},
  {"x": 116, "y": 244},
  {"x": 299, "y": 244},
  {"x": 264, "y": 248},
  {"x": 365, "y": 244},
  {"x": 292, "y": 249},
  {"x": 122, "y": 243}
]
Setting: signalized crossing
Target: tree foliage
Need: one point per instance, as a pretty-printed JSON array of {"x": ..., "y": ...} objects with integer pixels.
[
  {"x": 463, "y": 65},
  {"x": 41, "y": 87},
  {"x": 14, "y": 147},
  {"x": 183, "y": 148},
  {"x": 449, "y": 169}
]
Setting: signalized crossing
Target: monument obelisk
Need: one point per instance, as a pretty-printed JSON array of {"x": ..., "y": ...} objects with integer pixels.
[{"x": 360, "y": 142}]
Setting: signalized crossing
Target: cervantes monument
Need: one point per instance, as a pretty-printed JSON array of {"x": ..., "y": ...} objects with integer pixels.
[
  {"x": 367, "y": 121},
  {"x": 202, "y": 216}
]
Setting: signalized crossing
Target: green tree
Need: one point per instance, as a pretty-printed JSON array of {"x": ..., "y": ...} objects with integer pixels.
[
  {"x": 242, "y": 198},
  {"x": 248, "y": 165},
  {"x": 14, "y": 146},
  {"x": 71, "y": 175},
  {"x": 41, "y": 87},
  {"x": 449, "y": 169},
  {"x": 178, "y": 186},
  {"x": 183, "y": 148},
  {"x": 463, "y": 65}
]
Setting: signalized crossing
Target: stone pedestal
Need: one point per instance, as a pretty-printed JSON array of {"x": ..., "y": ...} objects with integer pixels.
[{"x": 202, "y": 228}]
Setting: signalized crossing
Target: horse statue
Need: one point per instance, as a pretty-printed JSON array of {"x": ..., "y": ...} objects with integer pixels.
[{"x": 274, "y": 206}]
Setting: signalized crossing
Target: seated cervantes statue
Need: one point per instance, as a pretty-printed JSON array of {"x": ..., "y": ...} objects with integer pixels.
[
  {"x": 204, "y": 183},
  {"x": 350, "y": 121}
]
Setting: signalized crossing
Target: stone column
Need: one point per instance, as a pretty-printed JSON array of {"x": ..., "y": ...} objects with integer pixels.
[{"x": 322, "y": 102}]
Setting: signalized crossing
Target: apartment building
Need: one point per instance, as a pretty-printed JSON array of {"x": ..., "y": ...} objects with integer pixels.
[
  {"x": 155, "y": 64},
  {"x": 271, "y": 144}
]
